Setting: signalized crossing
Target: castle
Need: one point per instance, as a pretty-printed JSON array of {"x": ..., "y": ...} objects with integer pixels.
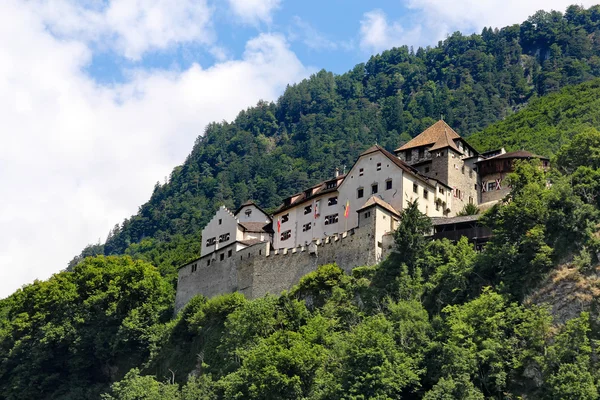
[{"x": 348, "y": 219}]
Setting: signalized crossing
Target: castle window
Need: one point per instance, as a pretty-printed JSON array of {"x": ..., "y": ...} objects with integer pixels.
[
  {"x": 388, "y": 184},
  {"x": 368, "y": 214},
  {"x": 220, "y": 221},
  {"x": 374, "y": 188},
  {"x": 224, "y": 237},
  {"x": 211, "y": 241},
  {"x": 308, "y": 209},
  {"x": 437, "y": 206},
  {"x": 470, "y": 199},
  {"x": 222, "y": 256},
  {"x": 475, "y": 186},
  {"x": 408, "y": 155},
  {"x": 441, "y": 191},
  {"x": 229, "y": 253},
  {"x": 194, "y": 267},
  {"x": 421, "y": 153},
  {"x": 361, "y": 172},
  {"x": 462, "y": 169},
  {"x": 360, "y": 193},
  {"x": 208, "y": 262},
  {"x": 248, "y": 212},
  {"x": 306, "y": 227},
  {"x": 425, "y": 193},
  {"x": 331, "y": 185},
  {"x": 491, "y": 186},
  {"x": 286, "y": 235},
  {"x": 426, "y": 169},
  {"x": 331, "y": 219},
  {"x": 415, "y": 188},
  {"x": 470, "y": 173},
  {"x": 378, "y": 166},
  {"x": 285, "y": 218},
  {"x": 332, "y": 201}
]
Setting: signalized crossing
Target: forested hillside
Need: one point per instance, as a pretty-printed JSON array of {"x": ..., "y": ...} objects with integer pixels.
[
  {"x": 546, "y": 123},
  {"x": 275, "y": 149}
]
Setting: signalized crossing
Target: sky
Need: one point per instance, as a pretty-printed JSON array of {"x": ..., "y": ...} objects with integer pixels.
[{"x": 100, "y": 99}]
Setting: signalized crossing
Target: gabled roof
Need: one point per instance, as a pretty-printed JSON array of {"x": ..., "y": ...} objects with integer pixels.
[
  {"x": 376, "y": 201},
  {"x": 398, "y": 162},
  {"x": 316, "y": 190},
  {"x": 431, "y": 135},
  {"x": 390, "y": 156},
  {"x": 250, "y": 203},
  {"x": 443, "y": 142},
  {"x": 254, "y": 226}
]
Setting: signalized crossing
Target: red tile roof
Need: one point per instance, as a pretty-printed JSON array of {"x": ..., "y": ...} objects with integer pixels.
[{"x": 431, "y": 135}]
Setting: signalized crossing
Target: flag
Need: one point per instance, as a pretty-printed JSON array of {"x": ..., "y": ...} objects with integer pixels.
[
  {"x": 278, "y": 224},
  {"x": 347, "y": 211},
  {"x": 317, "y": 212}
]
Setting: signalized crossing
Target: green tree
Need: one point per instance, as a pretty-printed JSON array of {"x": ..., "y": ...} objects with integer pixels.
[{"x": 410, "y": 235}]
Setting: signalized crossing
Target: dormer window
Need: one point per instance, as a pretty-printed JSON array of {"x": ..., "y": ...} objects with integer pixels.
[
  {"x": 331, "y": 185},
  {"x": 421, "y": 153}
]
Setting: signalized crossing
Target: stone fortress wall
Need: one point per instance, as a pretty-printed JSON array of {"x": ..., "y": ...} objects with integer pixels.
[{"x": 258, "y": 270}]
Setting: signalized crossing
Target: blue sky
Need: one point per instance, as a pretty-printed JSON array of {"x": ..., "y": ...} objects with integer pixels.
[
  {"x": 323, "y": 34},
  {"x": 103, "y": 98}
]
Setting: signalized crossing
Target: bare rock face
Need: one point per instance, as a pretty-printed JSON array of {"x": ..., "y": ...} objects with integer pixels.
[{"x": 568, "y": 292}]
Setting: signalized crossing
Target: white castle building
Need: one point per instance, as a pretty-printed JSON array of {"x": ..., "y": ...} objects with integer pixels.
[{"x": 438, "y": 168}]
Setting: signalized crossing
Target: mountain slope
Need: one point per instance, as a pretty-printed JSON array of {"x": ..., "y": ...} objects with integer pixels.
[{"x": 546, "y": 123}]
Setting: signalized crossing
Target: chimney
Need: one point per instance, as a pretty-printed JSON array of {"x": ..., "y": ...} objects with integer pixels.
[{"x": 337, "y": 172}]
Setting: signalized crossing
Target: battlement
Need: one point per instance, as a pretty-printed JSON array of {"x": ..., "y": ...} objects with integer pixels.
[{"x": 257, "y": 270}]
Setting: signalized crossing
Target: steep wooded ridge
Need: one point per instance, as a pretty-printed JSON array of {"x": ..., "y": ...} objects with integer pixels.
[
  {"x": 436, "y": 320},
  {"x": 273, "y": 150}
]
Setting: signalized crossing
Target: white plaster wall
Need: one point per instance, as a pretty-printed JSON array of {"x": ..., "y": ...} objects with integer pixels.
[
  {"x": 384, "y": 223},
  {"x": 213, "y": 229},
  {"x": 255, "y": 216},
  {"x": 291, "y": 224},
  {"x": 349, "y": 188},
  {"x": 318, "y": 228},
  {"x": 426, "y": 206}
]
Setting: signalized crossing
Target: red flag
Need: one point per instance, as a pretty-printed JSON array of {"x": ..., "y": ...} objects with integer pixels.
[
  {"x": 278, "y": 224},
  {"x": 347, "y": 211}
]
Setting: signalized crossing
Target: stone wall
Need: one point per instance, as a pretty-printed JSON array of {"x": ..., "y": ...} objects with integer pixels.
[
  {"x": 257, "y": 270},
  {"x": 493, "y": 193}
]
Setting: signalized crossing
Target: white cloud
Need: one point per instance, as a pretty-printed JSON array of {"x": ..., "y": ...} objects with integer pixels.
[
  {"x": 131, "y": 27},
  {"x": 477, "y": 14},
  {"x": 431, "y": 20},
  {"x": 377, "y": 34},
  {"x": 253, "y": 12},
  {"x": 77, "y": 157}
]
